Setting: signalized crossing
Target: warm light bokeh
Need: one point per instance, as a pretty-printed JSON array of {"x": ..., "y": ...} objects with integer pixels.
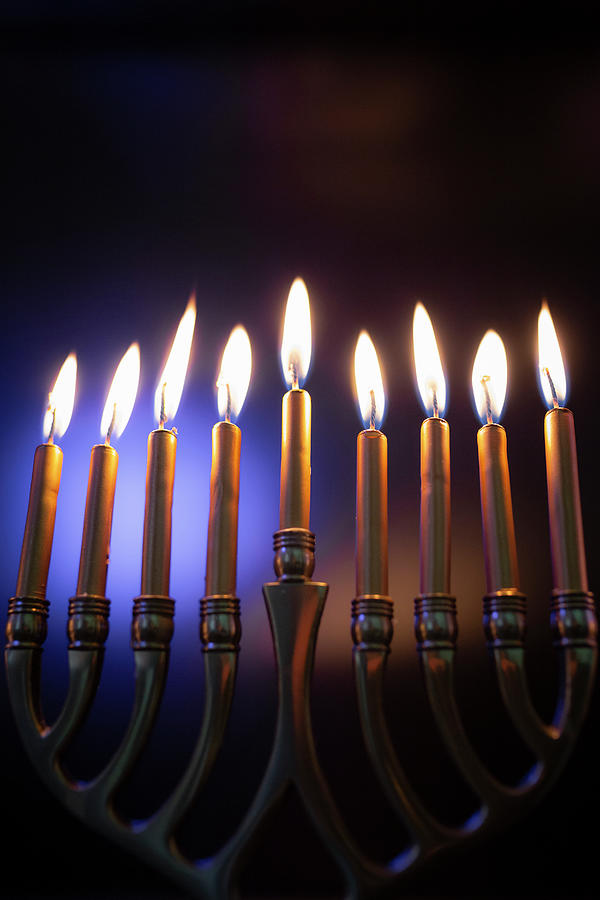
[
  {"x": 296, "y": 344},
  {"x": 369, "y": 383},
  {"x": 550, "y": 361},
  {"x": 122, "y": 394},
  {"x": 234, "y": 377},
  {"x": 61, "y": 399},
  {"x": 490, "y": 377},
  {"x": 170, "y": 383},
  {"x": 428, "y": 365}
]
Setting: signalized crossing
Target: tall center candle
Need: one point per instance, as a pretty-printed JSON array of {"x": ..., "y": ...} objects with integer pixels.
[
  {"x": 232, "y": 385},
  {"x": 160, "y": 466},
  {"x": 490, "y": 374},
  {"x": 45, "y": 482},
  {"x": 435, "y": 460},
  {"x": 97, "y": 522},
  {"x": 294, "y": 501},
  {"x": 371, "y": 475}
]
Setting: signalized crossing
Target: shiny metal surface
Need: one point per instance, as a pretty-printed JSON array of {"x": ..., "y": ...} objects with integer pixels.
[
  {"x": 97, "y": 522},
  {"x": 160, "y": 479},
  {"x": 39, "y": 525},
  {"x": 564, "y": 503}
]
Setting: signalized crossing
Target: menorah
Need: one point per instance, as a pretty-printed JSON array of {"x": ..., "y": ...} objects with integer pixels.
[{"x": 294, "y": 606}]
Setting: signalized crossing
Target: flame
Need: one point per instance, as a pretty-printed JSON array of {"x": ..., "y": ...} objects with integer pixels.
[
  {"x": 490, "y": 376},
  {"x": 296, "y": 341},
  {"x": 234, "y": 377},
  {"x": 170, "y": 384},
  {"x": 428, "y": 365},
  {"x": 369, "y": 384},
  {"x": 61, "y": 399},
  {"x": 553, "y": 379},
  {"x": 122, "y": 393}
]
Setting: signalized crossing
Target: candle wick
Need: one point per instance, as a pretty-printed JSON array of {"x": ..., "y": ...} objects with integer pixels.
[
  {"x": 111, "y": 426},
  {"x": 488, "y": 399},
  {"x": 555, "y": 402},
  {"x": 293, "y": 369},
  {"x": 436, "y": 408},
  {"x": 228, "y": 407},
  {"x": 52, "y": 426},
  {"x": 373, "y": 410},
  {"x": 163, "y": 412}
]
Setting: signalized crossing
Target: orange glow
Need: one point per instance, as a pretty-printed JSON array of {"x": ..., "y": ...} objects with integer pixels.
[
  {"x": 369, "y": 383},
  {"x": 234, "y": 377},
  {"x": 428, "y": 365},
  {"x": 61, "y": 400},
  {"x": 553, "y": 379},
  {"x": 296, "y": 344},
  {"x": 121, "y": 396},
  {"x": 170, "y": 384},
  {"x": 490, "y": 376}
]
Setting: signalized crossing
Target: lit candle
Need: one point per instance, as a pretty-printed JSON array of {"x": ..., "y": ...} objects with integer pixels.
[
  {"x": 490, "y": 374},
  {"x": 160, "y": 467},
  {"x": 435, "y": 459},
  {"x": 232, "y": 386},
  {"x": 371, "y": 475},
  {"x": 294, "y": 501},
  {"x": 104, "y": 461},
  {"x": 564, "y": 503},
  {"x": 45, "y": 481}
]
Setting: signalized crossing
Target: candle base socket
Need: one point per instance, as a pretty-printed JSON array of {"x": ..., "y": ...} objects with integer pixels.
[
  {"x": 220, "y": 623},
  {"x": 294, "y": 554},
  {"x": 436, "y": 627},
  {"x": 504, "y": 619},
  {"x": 27, "y": 623},
  {"x": 573, "y": 619},
  {"x": 87, "y": 626},
  {"x": 372, "y": 622},
  {"x": 152, "y": 625}
]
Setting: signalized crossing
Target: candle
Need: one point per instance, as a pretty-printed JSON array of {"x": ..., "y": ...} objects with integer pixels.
[
  {"x": 564, "y": 503},
  {"x": 232, "y": 385},
  {"x": 294, "y": 501},
  {"x": 435, "y": 460},
  {"x": 97, "y": 522},
  {"x": 160, "y": 466},
  {"x": 371, "y": 475},
  {"x": 489, "y": 380},
  {"x": 45, "y": 481}
]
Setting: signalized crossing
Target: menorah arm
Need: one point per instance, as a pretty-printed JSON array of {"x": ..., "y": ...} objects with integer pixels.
[{"x": 574, "y": 626}]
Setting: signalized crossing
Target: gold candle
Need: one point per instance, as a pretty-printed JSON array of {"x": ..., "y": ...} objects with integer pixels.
[
  {"x": 371, "y": 475},
  {"x": 97, "y": 523},
  {"x": 490, "y": 373},
  {"x": 160, "y": 466},
  {"x": 160, "y": 480},
  {"x": 294, "y": 501},
  {"x": 232, "y": 385},
  {"x": 435, "y": 460},
  {"x": 564, "y": 502},
  {"x": 45, "y": 482}
]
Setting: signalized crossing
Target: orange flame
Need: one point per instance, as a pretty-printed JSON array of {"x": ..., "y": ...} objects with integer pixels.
[
  {"x": 170, "y": 384},
  {"x": 234, "y": 377},
  {"x": 296, "y": 343},
  {"x": 61, "y": 400},
  {"x": 428, "y": 365},
  {"x": 490, "y": 377},
  {"x": 122, "y": 393},
  {"x": 369, "y": 383}
]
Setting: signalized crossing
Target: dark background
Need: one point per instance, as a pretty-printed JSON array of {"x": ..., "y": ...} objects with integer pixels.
[{"x": 446, "y": 157}]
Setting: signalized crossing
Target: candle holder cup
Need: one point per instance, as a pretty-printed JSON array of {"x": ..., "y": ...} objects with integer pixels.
[{"x": 294, "y": 607}]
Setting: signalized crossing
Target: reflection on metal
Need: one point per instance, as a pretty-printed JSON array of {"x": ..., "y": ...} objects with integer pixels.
[{"x": 294, "y": 606}]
